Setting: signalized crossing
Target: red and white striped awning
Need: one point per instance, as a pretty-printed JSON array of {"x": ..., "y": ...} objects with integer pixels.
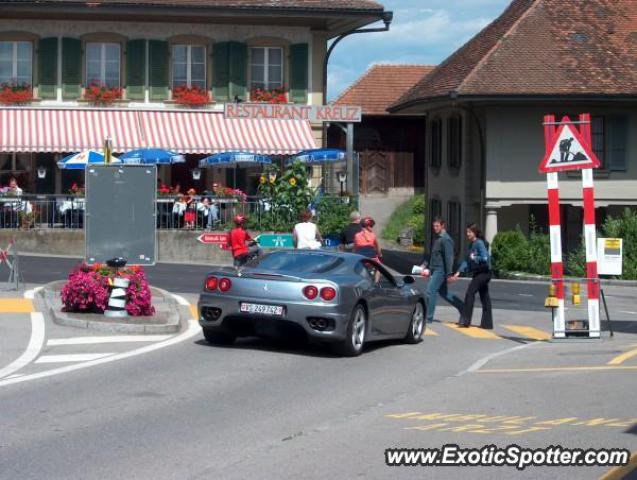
[
  {"x": 71, "y": 130},
  {"x": 203, "y": 132},
  {"x": 58, "y": 130}
]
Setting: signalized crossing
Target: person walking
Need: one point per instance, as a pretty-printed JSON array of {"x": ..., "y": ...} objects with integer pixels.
[
  {"x": 439, "y": 270},
  {"x": 350, "y": 231},
  {"x": 478, "y": 264},
  {"x": 366, "y": 242},
  {"x": 306, "y": 234}
]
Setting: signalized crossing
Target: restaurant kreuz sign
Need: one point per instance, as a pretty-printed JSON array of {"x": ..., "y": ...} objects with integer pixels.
[{"x": 312, "y": 113}]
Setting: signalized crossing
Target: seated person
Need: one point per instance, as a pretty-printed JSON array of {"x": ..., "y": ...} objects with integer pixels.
[
  {"x": 209, "y": 211},
  {"x": 179, "y": 208}
]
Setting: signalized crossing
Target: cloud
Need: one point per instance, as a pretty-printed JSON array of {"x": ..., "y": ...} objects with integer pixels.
[{"x": 421, "y": 32}]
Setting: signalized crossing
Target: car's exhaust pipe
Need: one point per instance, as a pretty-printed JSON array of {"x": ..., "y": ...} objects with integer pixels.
[{"x": 321, "y": 324}]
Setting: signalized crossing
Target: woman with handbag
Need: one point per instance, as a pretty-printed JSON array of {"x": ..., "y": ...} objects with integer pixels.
[{"x": 478, "y": 264}]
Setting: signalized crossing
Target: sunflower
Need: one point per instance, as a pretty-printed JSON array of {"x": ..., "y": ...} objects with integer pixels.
[
  {"x": 262, "y": 180},
  {"x": 293, "y": 181}
]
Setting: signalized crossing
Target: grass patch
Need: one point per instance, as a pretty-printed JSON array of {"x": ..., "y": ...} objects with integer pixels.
[{"x": 409, "y": 214}]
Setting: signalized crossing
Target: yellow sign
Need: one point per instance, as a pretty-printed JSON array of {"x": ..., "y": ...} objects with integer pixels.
[{"x": 612, "y": 243}]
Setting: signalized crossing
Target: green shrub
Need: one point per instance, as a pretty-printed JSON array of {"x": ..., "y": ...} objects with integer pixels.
[
  {"x": 332, "y": 215},
  {"x": 576, "y": 262},
  {"x": 510, "y": 251},
  {"x": 625, "y": 227},
  {"x": 409, "y": 214},
  {"x": 539, "y": 254}
]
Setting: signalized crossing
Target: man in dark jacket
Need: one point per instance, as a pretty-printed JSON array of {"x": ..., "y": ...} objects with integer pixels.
[{"x": 440, "y": 270}]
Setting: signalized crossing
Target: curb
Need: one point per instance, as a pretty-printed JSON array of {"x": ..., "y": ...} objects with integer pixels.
[
  {"x": 504, "y": 275},
  {"x": 178, "y": 315}
]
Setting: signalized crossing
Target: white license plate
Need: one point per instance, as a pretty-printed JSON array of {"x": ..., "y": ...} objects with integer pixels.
[{"x": 259, "y": 309}]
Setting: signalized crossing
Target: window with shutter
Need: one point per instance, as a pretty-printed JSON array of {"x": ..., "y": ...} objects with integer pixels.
[
  {"x": 158, "y": 69},
  {"x": 299, "y": 58},
  {"x": 221, "y": 72},
  {"x": 135, "y": 69},
  {"x": 454, "y": 142},
  {"x": 47, "y": 67},
  {"x": 237, "y": 70},
  {"x": 71, "y": 67},
  {"x": 16, "y": 63},
  {"x": 436, "y": 143},
  {"x": 617, "y": 138}
]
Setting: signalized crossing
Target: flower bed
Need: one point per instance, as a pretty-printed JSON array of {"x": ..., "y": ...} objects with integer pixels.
[
  {"x": 193, "y": 96},
  {"x": 13, "y": 93},
  {"x": 276, "y": 95},
  {"x": 102, "y": 94},
  {"x": 87, "y": 290}
]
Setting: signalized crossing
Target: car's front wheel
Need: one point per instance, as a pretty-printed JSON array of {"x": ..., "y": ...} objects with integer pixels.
[
  {"x": 417, "y": 324},
  {"x": 352, "y": 346},
  {"x": 217, "y": 337}
]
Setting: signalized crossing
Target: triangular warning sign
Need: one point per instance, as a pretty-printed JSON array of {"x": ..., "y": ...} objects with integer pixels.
[{"x": 569, "y": 152}]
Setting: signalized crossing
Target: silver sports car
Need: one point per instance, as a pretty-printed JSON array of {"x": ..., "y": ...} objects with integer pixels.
[{"x": 338, "y": 298}]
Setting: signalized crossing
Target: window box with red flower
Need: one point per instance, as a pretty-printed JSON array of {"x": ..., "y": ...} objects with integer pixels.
[
  {"x": 15, "y": 93},
  {"x": 102, "y": 94},
  {"x": 191, "y": 96},
  {"x": 274, "y": 95}
]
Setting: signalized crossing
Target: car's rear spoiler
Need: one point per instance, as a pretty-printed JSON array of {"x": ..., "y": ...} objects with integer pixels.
[{"x": 269, "y": 275}]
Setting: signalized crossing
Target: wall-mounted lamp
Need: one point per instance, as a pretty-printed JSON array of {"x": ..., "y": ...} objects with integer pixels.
[
  {"x": 41, "y": 172},
  {"x": 342, "y": 178},
  {"x": 196, "y": 173},
  {"x": 272, "y": 177}
]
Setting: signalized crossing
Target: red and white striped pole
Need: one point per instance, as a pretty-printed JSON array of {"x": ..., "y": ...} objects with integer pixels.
[
  {"x": 590, "y": 236},
  {"x": 555, "y": 231}
]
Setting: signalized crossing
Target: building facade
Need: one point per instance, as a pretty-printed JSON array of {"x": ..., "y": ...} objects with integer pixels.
[
  {"x": 484, "y": 108},
  {"x": 156, "y": 74}
]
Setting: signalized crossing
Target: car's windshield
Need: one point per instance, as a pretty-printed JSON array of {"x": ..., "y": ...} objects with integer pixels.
[{"x": 294, "y": 262}]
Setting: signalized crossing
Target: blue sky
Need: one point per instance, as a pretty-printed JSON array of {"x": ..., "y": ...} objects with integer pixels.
[{"x": 423, "y": 31}]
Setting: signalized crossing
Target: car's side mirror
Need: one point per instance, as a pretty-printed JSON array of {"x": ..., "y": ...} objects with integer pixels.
[{"x": 408, "y": 279}]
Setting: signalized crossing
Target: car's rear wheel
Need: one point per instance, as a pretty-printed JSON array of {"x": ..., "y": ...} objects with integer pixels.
[
  {"x": 417, "y": 324},
  {"x": 354, "y": 341},
  {"x": 217, "y": 337}
]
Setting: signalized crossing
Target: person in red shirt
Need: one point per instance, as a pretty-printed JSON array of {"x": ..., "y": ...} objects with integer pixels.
[{"x": 241, "y": 243}]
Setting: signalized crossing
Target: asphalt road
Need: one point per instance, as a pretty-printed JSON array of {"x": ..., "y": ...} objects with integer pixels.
[{"x": 260, "y": 410}]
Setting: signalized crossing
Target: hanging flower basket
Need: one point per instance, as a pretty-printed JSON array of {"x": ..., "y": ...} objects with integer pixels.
[
  {"x": 15, "y": 93},
  {"x": 191, "y": 96},
  {"x": 102, "y": 94},
  {"x": 276, "y": 95}
]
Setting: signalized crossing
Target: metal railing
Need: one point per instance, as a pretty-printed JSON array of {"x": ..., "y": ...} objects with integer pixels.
[{"x": 67, "y": 211}]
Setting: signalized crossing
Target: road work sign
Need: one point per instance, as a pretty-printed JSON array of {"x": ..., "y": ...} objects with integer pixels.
[
  {"x": 569, "y": 151},
  {"x": 609, "y": 256}
]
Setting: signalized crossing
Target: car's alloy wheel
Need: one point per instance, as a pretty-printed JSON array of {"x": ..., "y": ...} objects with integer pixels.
[
  {"x": 417, "y": 324},
  {"x": 354, "y": 340}
]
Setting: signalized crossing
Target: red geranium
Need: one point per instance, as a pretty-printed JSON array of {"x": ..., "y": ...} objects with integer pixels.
[
  {"x": 194, "y": 96},
  {"x": 276, "y": 95},
  {"x": 14, "y": 93},
  {"x": 97, "y": 93}
]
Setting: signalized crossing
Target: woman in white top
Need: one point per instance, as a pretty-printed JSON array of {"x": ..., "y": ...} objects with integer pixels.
[{"x": 306, "y": 233}]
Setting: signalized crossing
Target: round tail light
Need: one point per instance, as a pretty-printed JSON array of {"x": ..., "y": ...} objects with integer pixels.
[
  {"x": 225, "y": 284},
  {"x": 310, "y": 292},
  {"x": 212, "y": 283},
  {"x": 328, "y": 293}
]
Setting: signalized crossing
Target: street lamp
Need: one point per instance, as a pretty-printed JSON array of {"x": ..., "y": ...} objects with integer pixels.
[
  {"x": 342, "y": 177},
  {"x": 196, "y": 173}
]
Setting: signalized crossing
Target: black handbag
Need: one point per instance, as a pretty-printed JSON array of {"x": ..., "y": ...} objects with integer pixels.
[{"x": 478, "y": 267}]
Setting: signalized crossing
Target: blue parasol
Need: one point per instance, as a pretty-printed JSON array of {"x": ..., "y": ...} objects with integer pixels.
[
  {"x": 151, "y": 156},
  {"x": 78, "y": 161},
  {"x": 234, "y": 159},
  {"x": 318, "y": 156}
]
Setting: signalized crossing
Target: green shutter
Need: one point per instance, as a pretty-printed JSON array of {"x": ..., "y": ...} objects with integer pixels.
[
  {"x": 71, "y": 67},
  {"x": 221, "y": 72},
  {"x": 47, "y": 67},
  {"x": 238, "y": 70},
  {"x": 135, "y": 69},
  {"x": 158, "y": 69},
  {"x": 617, "y": 143},
  {"x": 299, "y": 57}
]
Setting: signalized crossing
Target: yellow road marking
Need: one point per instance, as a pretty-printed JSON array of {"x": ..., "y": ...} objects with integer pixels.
[
  {"x": 474, "y": 332},
  {"x": 430, "y": 333},
  {"x": 555, "y": 369},
  {"x": 619, "y": 359},
  {"x": 528, "y": 332},
  {"x": 16, "y": 305},
  {"x": 618, "y": 473},
  {"x": 194, "y": 312}
]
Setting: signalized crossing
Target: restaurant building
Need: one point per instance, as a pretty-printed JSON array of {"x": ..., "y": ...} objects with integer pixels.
[{"x": 156, "y": 74}]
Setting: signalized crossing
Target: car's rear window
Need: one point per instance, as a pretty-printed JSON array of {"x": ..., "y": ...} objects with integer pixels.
[{"x": 295, "y": 262}]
